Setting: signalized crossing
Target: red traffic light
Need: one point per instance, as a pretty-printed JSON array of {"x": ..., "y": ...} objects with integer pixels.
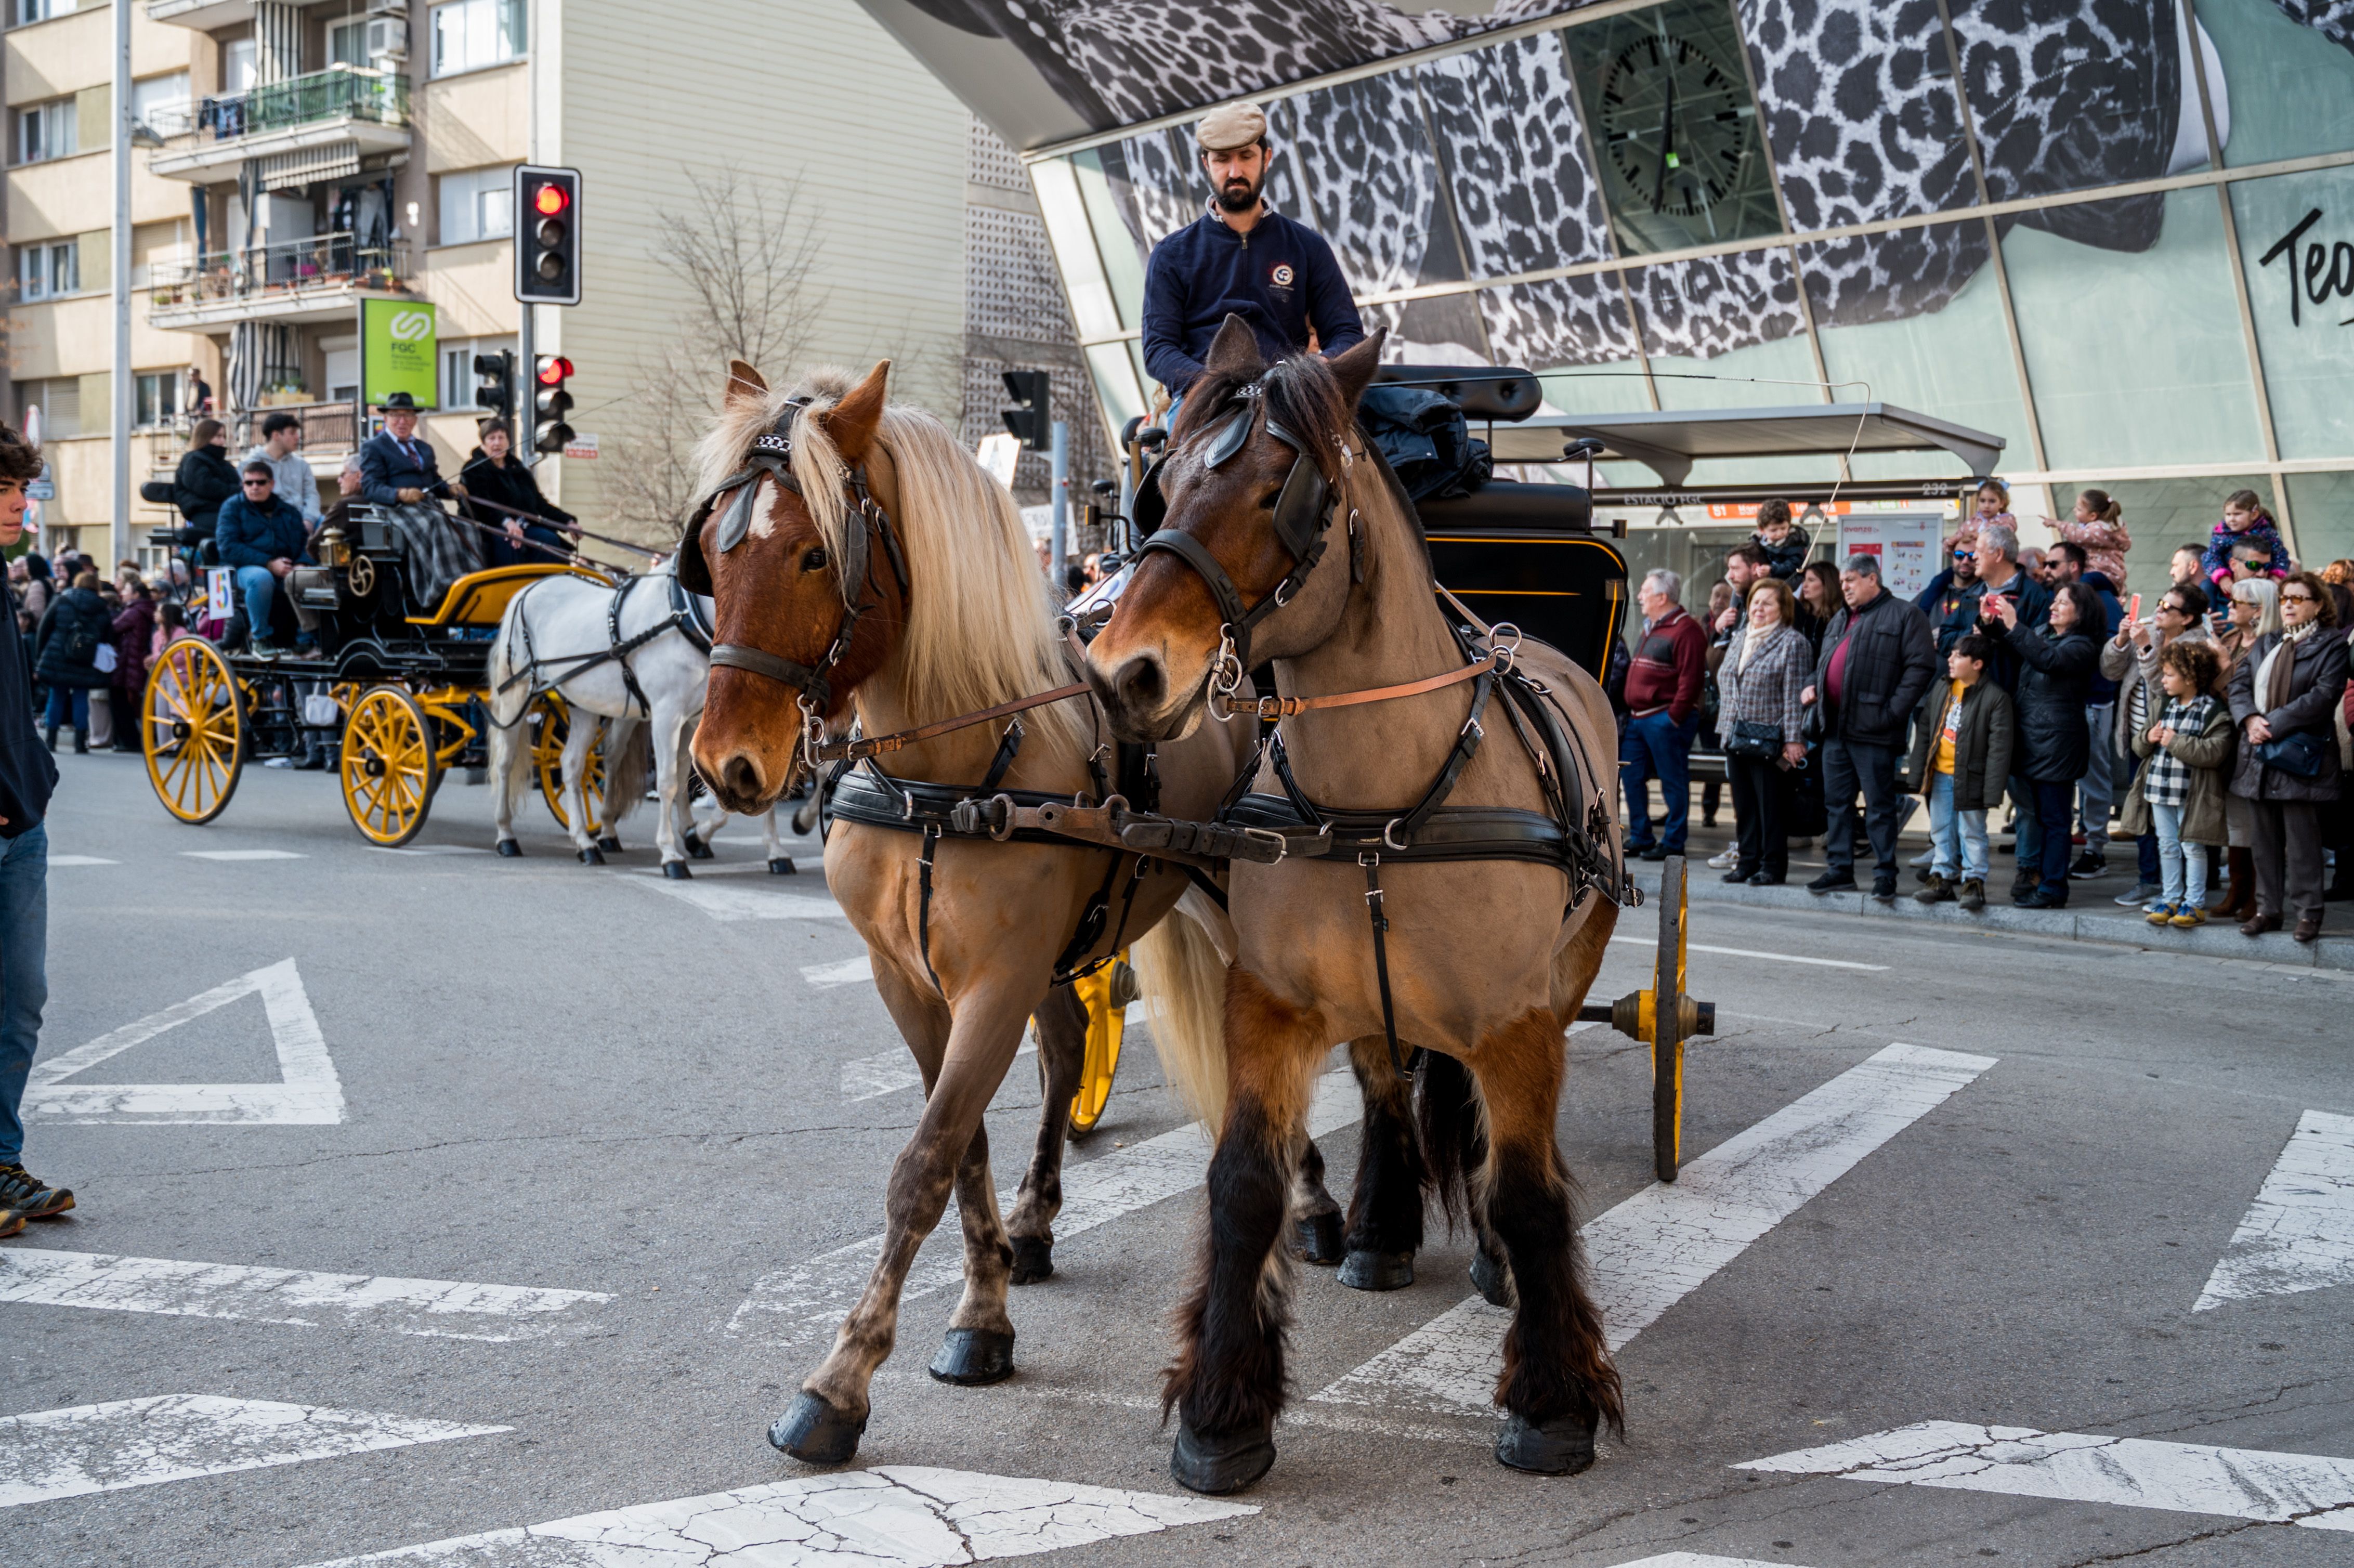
[
  {"x": 550, "y": 199},
  {"x": 552, "y": 369}
]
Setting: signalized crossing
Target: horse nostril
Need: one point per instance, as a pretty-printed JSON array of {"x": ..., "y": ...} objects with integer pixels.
[
  {"x": 1142, "y": 686},
  {"x": 741, "y": 778}
]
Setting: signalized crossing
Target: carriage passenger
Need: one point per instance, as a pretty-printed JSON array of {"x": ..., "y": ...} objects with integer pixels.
[
  {"x": 264, "y": 539},
  {"x": 528, "y": 521}
]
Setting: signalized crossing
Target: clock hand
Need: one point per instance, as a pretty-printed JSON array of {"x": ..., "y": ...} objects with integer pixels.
[{"x": 1666, "y": 140}]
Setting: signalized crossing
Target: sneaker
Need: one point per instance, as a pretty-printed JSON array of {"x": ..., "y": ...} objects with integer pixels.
[
  {"x": 1768, "y": 879},
  {"x": 2162, "y": 912},
  {"x": 2089, "y": 865},
  {"x": 263, "y": 649},
  {"x": 24, "y": 1196},
  {"x": 1736, "y": 874},
  {"x": 278, "y": 762},
  {"x": 2188, "y": 916},
  {"x": 1833, "y": 880},
  {"x": 1883, "y": 887},
  {"x": 1939, "y": 891},
  {"x": 2138, "y": 896},
  {"x": 2042, "y": 897},
  {"x": 1973, "y": 894},
  {"x": 1729, "y": 859}
]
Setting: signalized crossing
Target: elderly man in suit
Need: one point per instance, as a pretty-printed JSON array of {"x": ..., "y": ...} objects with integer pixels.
[{"x": 397, "y": 465}]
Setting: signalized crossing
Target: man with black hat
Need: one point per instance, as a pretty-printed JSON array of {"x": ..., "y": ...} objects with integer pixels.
[
  {"x": 1243, "y": 258},
  {"x": 397, "y": 468}
]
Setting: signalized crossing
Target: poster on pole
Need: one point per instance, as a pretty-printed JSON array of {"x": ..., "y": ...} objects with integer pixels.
[
  {"x": 398, "y": 352},
  {"x": 1908, "y": 545}
]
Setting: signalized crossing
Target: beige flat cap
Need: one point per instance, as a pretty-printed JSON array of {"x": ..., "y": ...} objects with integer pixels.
[{"x": 1230, "y": 126}]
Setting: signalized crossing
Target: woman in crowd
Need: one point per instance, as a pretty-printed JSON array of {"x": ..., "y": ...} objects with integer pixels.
[
  {"x": 36, "y": 590},
  {"x": 2098, "y": 525},
  {"x": 134, "y": 632},
  {"x": 2254, "y": 613},
  {"x": 527, "y": 520},
  {"x": 66, "y": 657},
  {"x": 1819, "y": 600},
  {"x": 1765, "y": 669},
  {"x": 2057, "y": 661},
  {"x": 206, "y": 477},
  {"x": 2285, "y": 698}
]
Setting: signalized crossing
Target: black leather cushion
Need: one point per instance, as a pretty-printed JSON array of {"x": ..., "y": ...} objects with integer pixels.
[{"x": 1502, "y": 504}]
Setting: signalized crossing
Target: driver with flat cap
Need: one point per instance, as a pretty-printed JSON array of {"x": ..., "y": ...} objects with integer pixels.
[{"x": 1241, "y": 257}]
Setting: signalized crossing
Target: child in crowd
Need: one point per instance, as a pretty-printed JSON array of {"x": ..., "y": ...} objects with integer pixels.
[
  {"x": 1961, "y": 758},
  {"x": 2098, "y": 526},
  {"x": 2177, "y": 794},
  {"x": 1993, "y": 506},
  {"x": 2245, "y": 522},
  {"x": 1784, "y": 542}
]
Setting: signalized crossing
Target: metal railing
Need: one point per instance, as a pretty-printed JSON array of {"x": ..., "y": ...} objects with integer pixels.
[
  {"x": 321, "y": 261},
  {"x": 341, "y": 92}
]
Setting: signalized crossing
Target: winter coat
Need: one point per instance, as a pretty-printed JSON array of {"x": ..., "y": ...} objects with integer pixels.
[
  {"x": 2215, "y": 565},
  {"x": 70, "y": 638},
  {"x": 1789, "y": 558},
  {"x": 27, "y": 773},
  {"x": 2130, "y": 667},
  {"x": 1983, "y": 743},
  {"x": 1890, "y": 662},
  {"x": 205, "y": 480},
  {"x": 134, "y": 630},
  {"x": 2105, "y": 544},
  {"x": 2206, "y": 754},
  {"x": 251, "y": 535},
  {"x": 2030, "y": 597},
  {"x": 1767, "y": 691},
  {"x": 2112, "y": 616},
  {"x": 1669, "y": 661},
  {"x": 2056, "y": 744},
  {"x": 2317, "y": 683},
  {"x": 511, "y": 486}
]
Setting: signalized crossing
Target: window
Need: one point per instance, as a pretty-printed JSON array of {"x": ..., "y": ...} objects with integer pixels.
[
  {"x": 347, "y": 42},
  {"x": 51, "y": 267},
  {"x": 23, "y": 11},
  {"x": 161, "y": 104},
  {"x": 59, "y": 401},
  {"x": 477, "y": 204},
  {"x": 239, "y": 66},
  {"x": 46, "y": 131},
  {"x": 155, "y": 398},
  {"x": 470, "y": 34},
  {"x": 459, "y": 385}
]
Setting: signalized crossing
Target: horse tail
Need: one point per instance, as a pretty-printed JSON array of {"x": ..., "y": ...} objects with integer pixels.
[
  {"x": 627, "y": 768},
  {"x": 1184, "y": 983},
  {"x": 1454, "y": 1144}
]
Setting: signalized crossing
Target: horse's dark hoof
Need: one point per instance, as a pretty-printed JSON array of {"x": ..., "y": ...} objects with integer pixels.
[
  {"x": 697, "y": 849},
  {"x": 782, "y": 866},
  {"x": 676, "y": 871},
  {"x": 815, "y": 1433},
  {"x": 972, "y": 1356},
  {"x": 1378, "y": 1270},
  {"x": 509, "y": 849},
  {"x": 1216, "y": 1465},
  {"x": 1561, "y": 1446},
  {"x": 1317, "y": 1237},
  {"x": 609, "y": 845},
  {"x": 1491, "y": 1279},
  {"x": 592, "y": 855},
  {"x": 1034, "y": 1259}
]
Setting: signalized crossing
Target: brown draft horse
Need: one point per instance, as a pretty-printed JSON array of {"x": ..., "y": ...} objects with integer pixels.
[
  {"x": 947, "y": 617},
  {"x": 1488, "y": 959}
]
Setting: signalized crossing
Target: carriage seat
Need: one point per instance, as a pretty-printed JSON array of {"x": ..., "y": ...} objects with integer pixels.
[
  {"x": 1484, "y": 392},
  {"x": 1504, "y": 505}
]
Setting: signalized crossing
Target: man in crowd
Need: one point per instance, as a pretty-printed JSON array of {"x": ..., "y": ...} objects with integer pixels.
[
  {"x": 292, "y": 482},
  {"x": 263, "y": 539},
  {"x": 1942, "y": 599},
  {"x": 2095, "y": 791},
  {"x": 1744, "y": 565},
  {"x": 1877, "y": 660},
  {"x": 2184, "y": 566},
  {"x": 27, "y": 777},
  {"x": 1663, "y": 682}
]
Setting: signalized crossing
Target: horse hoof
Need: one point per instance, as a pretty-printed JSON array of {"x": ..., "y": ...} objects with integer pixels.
[
  {"x": 697, "y": 849},
  {"x": 1362, "y": 1270},
  {"x": 815, "y": 1433},
  {"x": 1034, "y": 1259},
  {"x": 676, "y": 871},
  {"x": 509, "y": 849},
  {"x": 1319, "y": 1237},
  {"x": 1561, "y": 1446},
  {"x": 972, "y": 1356},
  {"x": 592, "y": 855},
  {"x": 1491, "y": 1280},
  {"x": 782, "y": 866},
  {"x": 1216, "y": 1465},
  {"x": 609, "y": 845}
]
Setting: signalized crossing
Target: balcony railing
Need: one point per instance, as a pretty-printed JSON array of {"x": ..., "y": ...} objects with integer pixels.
[
  {"x": 323, "y": 262},
  {"x": 339, "y": 92}
]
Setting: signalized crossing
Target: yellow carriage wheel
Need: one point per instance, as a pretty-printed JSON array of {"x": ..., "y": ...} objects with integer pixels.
[
  {"x": 547, "y": 765},
  {"x": 1106, "y": 1022},
  {"x": 1670, "y": 974},
  {"x": 194, "y": 730},
  {"x": 388, "y": 765}
]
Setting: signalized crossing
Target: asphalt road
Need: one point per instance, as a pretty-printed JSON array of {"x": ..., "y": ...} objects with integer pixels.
[{"x": 584, "y": 1080}]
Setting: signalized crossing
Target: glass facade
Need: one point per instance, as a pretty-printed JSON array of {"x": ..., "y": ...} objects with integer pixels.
[{"x": 2119, "y": 237}]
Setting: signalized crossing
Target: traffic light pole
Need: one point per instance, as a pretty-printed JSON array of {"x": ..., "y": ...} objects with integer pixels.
[
  {"x": 1059, "y": 497},
  {"x": 526, "y": 414}
]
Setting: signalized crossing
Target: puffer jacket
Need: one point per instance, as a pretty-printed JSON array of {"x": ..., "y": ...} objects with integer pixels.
[
  {"x": 2317, "y": 683},
  {"x": 2055, "y": 671},
  {"x": 70, "y": 640},
  {"x": 2206, "y": 754},
  {"x": 206, "y": 477},
  {"x": 1982, "y": 745}
]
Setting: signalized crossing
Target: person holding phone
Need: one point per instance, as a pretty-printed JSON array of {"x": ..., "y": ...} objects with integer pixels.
[
  {"x": 2285, "y": 696},
  {"x": 2057, "y": 661},
  {"x": 2131, "y": 660}
]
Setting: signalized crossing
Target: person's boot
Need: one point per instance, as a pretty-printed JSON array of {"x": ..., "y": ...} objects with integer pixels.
[
  {"x": 1940, "y": 890},
  {"x": 2240, "y": 892},
  {"x": 81, "y": 743},
  {"x": 1973, "y": 894},
  {"x": 49, "y": 738}
]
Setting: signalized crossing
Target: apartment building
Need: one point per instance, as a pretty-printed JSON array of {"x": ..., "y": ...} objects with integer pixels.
[{"x": 296, "y": 161}]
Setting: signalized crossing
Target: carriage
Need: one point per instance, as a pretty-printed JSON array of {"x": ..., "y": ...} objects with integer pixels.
[{"x": 391, "y": 697}]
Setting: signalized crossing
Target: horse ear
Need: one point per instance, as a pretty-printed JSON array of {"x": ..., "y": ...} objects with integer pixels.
[
  {"x": 852, "y": 421},
  {"x": 1353, "y": 367},
  {"x": 744, "y": 383},
  {"x": 1234, "y": 353}
]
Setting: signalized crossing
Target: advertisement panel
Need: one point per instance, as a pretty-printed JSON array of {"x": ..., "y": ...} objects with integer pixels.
[
  {"x": 1908, "y": 547},
  {"x": 398, "y": 352}
]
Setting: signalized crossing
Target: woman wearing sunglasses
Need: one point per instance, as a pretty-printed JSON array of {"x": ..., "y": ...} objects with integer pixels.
[{"x": 2285, "y": 696}]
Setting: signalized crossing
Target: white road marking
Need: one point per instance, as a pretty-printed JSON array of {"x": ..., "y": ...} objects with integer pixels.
[
  {"x": 1698, "y": 1559},
  {"x": 1665, "y": 1242},
  {"x": 803, "y": 1303},
  {"x": 896, "y": 1516},
  {"x": 170, "y": 1437},
  {"x": 886, "y": 1072},
  {"x": 426, "y": 849},
  {"x": 438, "y": 1308},
  {"x": 81, "y": 860},
  {"x": 242, "y": 854},
  {"x": 2299, "y": 1233},
  {"x": 742, "y": 904},
  {"x": 1753, "y": 953},
  {"x": 850, "y": 972},
  {"x": 2315, "y": 1491},
  {"x": 309, "y": 1094},
  {"x": 702, "y": 868}
]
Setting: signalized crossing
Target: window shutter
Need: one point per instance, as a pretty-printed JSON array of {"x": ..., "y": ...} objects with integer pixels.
[
  {"x": 93, "y": 120},
  {"x": 94, "y": 399}
]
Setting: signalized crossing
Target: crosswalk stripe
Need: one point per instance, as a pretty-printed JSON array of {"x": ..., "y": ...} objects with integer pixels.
[
  {"x": 61, "y": 860},
  {"x": 437, "y": 1308},
  {"x": 727, "y": 902},
  {"x": 1660, "y": 1245},
  {"x": 849, "y": 971},
  {"x": 2299, "y": 1233},
  {"x": 1698, "y": 1559},
  {"x": 805, "y": 1303},
  {"x": 172, "y": 1438},
  {"x": 2314, "y": 1491},
  {"x": 897, "y": 1516},
  {"x": 241, "y": 855}
]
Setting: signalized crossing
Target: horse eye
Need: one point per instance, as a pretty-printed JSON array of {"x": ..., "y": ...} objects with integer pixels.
[
  {"x": 1266, "y": 503},
  {"x": 815, "y": 560}
]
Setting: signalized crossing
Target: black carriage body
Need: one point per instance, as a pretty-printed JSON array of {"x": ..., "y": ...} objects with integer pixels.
[{"x": 1526, "y": 553}]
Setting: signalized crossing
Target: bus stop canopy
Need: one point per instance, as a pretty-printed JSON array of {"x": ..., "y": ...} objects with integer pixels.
[{"x": 1670, "y": 443}]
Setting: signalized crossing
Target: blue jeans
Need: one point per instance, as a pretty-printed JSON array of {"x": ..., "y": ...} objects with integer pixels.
[
  {"x": 2029, "y": 829},
  {"x": 2145, "y": 851},
  {"x": 2182, "y": 866},
  {"x": 70, "y": 700},
  {"x": 254, "y": 585},
  {"x": 24, "y": 973},
  {"x": 1956, "y": 838},
  {"x": 1655, "y": 745},
  {"x": 2055, "y": 815},
  {"x": 2093, "y": 790}
]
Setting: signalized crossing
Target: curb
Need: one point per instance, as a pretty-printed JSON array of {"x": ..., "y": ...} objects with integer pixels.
[{"x": 2333, "y": 951}]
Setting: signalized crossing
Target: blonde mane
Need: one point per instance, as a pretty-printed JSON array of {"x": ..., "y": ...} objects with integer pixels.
[{"x": 980, "y": 629}]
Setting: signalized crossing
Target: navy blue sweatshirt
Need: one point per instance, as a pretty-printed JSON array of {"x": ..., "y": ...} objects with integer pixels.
[
  {"x": 1280, "y": 278},
  {"x": 27, "y": 774}
]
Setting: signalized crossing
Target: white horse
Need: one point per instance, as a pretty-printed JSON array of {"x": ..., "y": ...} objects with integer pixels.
[{"x": 625, "y": 662}]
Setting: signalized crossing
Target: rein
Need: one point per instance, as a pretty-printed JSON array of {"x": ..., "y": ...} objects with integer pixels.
[{"x": 858, "y": 750}]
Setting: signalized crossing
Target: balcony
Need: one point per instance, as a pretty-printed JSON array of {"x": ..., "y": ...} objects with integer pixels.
[
  {"x": 344, "y": 109},
  {"x": 293, "y": 282}
]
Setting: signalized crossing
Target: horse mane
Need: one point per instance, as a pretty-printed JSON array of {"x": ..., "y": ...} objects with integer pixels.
[
  {"x": 980, "y": 629},
  {"x": 1300, "y": 392}
]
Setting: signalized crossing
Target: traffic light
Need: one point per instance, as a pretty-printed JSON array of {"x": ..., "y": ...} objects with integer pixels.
[
  {"x": 548, "y": 235},
  {"x": 1031, "y": 421},
  {"x": 550, "y": 403},
  {"x": 496, "y": 391}
]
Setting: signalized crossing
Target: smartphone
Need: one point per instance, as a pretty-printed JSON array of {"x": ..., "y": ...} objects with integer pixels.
[{"x": 2134, "y": 612}]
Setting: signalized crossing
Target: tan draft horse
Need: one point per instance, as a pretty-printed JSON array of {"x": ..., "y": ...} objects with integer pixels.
[
  {"x": 947, "y": 617},
  {"x": 1489, "y": 959}
]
